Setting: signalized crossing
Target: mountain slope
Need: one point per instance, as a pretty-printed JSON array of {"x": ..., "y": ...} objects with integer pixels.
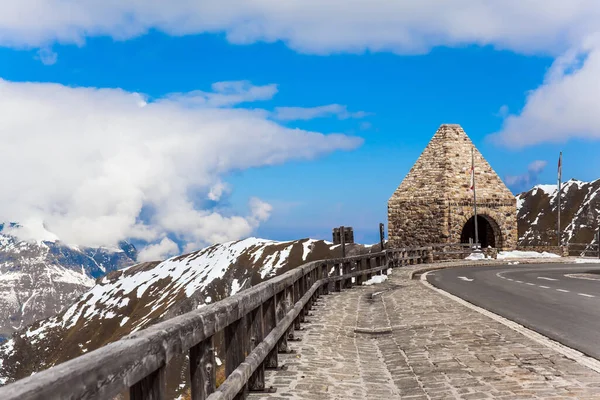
[
  {"x": 537, "y": 213},
  {"x": 39, "y": 278},
  {"x": 133, "y": 298}
]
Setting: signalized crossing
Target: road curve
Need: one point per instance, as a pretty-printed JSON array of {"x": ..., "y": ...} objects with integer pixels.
[{"x": 561, "y": 302}]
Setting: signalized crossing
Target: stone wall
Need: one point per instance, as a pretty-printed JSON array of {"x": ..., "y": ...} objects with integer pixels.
[{"x": 413, "y": 223}]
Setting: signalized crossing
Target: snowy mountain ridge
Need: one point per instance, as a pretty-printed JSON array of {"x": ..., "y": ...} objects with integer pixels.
[
  {"x": 138, "y": 296},
  {"x": 537, "y": 213},
  {"x": 38, "y": 278}
]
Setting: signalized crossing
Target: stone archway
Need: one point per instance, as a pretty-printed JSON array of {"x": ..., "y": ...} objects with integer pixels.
[{"x": 488, "y": 231}]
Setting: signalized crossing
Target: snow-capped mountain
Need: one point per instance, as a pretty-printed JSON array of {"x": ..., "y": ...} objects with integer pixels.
[
  {"x": 135, "y": 297},
  {"x": 39, "y": 278},
  {"x": 537, "y": 213}
]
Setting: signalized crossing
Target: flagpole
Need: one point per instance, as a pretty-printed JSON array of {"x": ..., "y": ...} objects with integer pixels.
[
  {"x": 558, "y": 233},
  {"x": 474, "y": 196}
]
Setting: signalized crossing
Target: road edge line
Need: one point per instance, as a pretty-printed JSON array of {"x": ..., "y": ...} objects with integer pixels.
[{"x": 566, "y": 351}]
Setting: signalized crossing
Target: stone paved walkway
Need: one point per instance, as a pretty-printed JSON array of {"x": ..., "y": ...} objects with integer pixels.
[{"x": 438, "y": 349}]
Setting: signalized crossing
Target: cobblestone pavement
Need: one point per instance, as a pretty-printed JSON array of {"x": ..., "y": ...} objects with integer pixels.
[{"x": 437, "y": 349}]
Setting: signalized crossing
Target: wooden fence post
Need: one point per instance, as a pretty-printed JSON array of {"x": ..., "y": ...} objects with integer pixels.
[
  {"x": 270, "y": 322},
  {"x": 203, "y": 369},
  {"x": 347, "y": 281},
  {"x": 337, "y": 273},
  {"x": 152, "y": 387},
  {"x": 281, "y": 308},
  {"x": 359, "y": 267},
  {"x": 235, "y": 350},
  {"x": 324, "y": 275},
  {"x": 256, "y": 335},
  {"x": 297, "y": 297}
]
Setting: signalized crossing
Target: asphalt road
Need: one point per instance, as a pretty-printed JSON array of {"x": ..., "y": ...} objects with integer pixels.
[{"x": 548, "y": 298}]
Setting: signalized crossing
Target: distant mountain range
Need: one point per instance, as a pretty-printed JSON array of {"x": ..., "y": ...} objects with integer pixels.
[
  {"x": 39, "y": 278},
  {"x": 537, "y": 213},
  {"x": 135, "y": 297}
]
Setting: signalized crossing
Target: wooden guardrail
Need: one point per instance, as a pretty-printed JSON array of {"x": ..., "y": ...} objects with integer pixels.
[
  {"x": 256, "y": 323},
  {"x": 583, "y": 249}
]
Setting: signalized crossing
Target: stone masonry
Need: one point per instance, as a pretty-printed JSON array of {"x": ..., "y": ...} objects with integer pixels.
[
  {"x": 425, "y": 346},
  {"x": 434, "y": 203}
]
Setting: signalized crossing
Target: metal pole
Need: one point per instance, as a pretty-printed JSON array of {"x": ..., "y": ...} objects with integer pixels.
[
  {"x": 381, "y": 235},
  {"x": 343, "y": 241},
  {"x": 558, "y": 233},
  {"x": 474, "y": 196}
]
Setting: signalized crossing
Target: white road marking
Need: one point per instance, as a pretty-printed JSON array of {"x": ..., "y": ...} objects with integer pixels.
[
  {"x": 512, "y": 280},
  {"x": 588, "y": 277},
  {"x": 563, "y": 290},
  {"x": 530, "y": 284},
  {"x": 545, "y": 287},
  {"x": 464, "y": 278},
  {"x": 586, "y": 295},
  {"x": 573, "y": 354},
  {"x": 548, "y": 279},
  {"x": 519, "y": 281}
]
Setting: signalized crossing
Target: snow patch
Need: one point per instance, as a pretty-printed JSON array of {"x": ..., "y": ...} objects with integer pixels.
[
  {"x": 503, "y": 255},
  {"x": 587, "y": 261},
  {"x": 475, "y": 256},
  {"x": 376, "y": 279}
]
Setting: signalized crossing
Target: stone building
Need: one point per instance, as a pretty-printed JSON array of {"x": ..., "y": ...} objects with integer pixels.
[{"x": 434, "y": 203}]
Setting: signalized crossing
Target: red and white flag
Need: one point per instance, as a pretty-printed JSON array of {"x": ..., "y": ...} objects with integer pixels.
[
  {"x": 471, "y": 178},
  {"x": 560, "y": 167}
]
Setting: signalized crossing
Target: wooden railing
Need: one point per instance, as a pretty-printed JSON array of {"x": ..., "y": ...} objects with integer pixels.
[
  {"x": 256, "y": 322},
  {"x": 583, "y": 249}
]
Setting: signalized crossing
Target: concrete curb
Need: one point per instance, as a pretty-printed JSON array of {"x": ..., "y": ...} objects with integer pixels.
[
  {"x": 492, "y": 263},
  {"x": 566, "y": 351}
]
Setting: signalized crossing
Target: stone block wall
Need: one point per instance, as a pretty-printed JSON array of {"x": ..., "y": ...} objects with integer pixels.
[{"x": 413, "y": 223}]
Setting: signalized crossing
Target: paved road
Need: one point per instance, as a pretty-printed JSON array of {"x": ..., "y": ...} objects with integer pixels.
[{"x": 561, "y": 302}]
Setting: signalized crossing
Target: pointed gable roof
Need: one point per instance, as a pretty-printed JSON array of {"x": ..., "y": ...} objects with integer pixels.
[{"x": 442, "y": 171}]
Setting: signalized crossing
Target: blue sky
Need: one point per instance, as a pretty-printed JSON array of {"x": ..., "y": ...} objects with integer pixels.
[{"x": 392, "y": 98}]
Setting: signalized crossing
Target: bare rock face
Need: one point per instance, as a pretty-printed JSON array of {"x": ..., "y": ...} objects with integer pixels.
[
  {"x": 138, "y": 296},
  {"x": 433, "y": 204},
  {"x": 580, "y": 208},
  {"x": 38, "y": 279}
]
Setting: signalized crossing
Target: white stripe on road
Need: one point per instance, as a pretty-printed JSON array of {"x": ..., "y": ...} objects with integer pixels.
[
  {"x": 548, "y": 279},
  {"x": 519, "y": 281},
  {"x": 585, "y": 295},
  {"x": 464, "y": 278},
  {"x": 530, "y": 284},
  {"x": 545, "y": 287},
  {"x": 563, "y": 290}
]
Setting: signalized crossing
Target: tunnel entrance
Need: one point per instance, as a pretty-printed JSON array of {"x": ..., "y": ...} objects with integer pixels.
[{"x": 487, "y": 229}]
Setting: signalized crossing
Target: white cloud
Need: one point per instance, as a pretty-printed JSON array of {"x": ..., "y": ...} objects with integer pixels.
[
  {"x": 306, "y": 113},
  {"x": 159, "y": 251},
  {"x": 314, "y": 26},
  {"x": 84, "y": 162},
  {"x": 529, "y": 178},
  {"x": 47, "y": 56},
  {"x": 565, "y": 106},
  {"x": 225, "y": 94},
  {"x": 218, "y": 190}
]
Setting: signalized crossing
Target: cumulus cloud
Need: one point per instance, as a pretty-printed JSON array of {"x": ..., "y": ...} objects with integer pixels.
[
  {"x": 312, "y": 26},
  {"x": 565, "y": 106},
  {"x": 159, "y": 251},
  {"x": 95, "y": 166},
  {"x": 306, "y": 113},
  {"x": 528, "y": 179}
]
